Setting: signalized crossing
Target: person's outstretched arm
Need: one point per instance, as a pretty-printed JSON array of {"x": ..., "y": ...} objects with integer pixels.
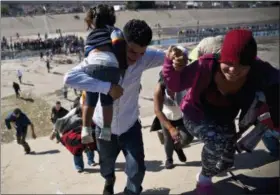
[
  {"x": 179, "y": 80},
  {"x": 78, "y": 79},
  {"x": 153, "y": 58},
  {"x": 158, "y": 106},
  {"x": 8, "y": 121}
]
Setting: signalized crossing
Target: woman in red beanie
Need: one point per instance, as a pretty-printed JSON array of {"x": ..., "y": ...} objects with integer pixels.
[{"x": 219, "y": 89}]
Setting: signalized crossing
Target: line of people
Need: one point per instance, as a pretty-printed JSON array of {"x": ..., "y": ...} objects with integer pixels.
[
  {"x": 210, "y": 91},
  {"x": 218, "y": 86}
]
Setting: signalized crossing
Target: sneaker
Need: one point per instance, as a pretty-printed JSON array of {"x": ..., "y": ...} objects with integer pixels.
[
  {"x": 86, "y": 136},
  {"x": 109, "y": 187},
  {"x": 204, "y": 189},
  {"x": 182, "y": 157},
  {"x": 93, "y": 164},
  {"x": 80, "y": 170},
  {"x": 27, "y": 152},
  {"x": 169, "y": 164}
]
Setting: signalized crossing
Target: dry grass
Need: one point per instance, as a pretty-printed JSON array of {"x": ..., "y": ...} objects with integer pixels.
[{"x": 37, "y": 109}]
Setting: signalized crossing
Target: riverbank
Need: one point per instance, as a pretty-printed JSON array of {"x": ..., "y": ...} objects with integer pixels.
[{"x": 168, "y": 19}]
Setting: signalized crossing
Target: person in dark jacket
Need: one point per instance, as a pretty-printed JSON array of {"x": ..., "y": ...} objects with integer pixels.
[
  {"x": 58, "y": 112},
  {"x": 20, "y": 123},
  {"x": 69, "y": 129},
  {"x": 17, "y": 89}
]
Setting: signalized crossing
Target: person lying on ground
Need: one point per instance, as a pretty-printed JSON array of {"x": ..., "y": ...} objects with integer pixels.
[{"x": 219, "y": 88}]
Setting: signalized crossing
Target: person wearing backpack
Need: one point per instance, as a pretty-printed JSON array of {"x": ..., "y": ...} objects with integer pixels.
[{"x": 69, "y": 129}]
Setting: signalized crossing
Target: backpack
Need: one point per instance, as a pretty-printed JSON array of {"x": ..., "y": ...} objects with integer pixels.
[{"x": 72, "y": 141}]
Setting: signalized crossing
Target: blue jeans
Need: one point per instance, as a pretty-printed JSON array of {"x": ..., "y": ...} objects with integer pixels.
[
  {"x": 79, "y": 162},
  {"x": 271, "y": 142},
  {"x": 103, "y": 73},
  {"x": 131, "y": 144}
]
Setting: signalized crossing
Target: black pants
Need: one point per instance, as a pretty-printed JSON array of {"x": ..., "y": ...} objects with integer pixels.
[
  {"x": 168, "y": 141},
  {"x": 19, "y": 78},
  {"x": 21, "y": 135},
  {"x": 17, "y": 93}
]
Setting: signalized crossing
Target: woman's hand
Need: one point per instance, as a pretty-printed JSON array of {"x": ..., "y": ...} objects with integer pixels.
[
  {"x": 175, "y": 135},
  {"x": 178, "y": 57}
]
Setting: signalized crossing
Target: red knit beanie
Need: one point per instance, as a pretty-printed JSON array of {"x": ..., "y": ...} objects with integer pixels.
[{"x": 239, "y": 47}]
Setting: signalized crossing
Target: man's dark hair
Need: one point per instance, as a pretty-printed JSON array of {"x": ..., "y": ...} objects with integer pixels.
[
  {"x": 58, "y": 102},
  {"x": 138, "y": 32},
  {"x": 17, "y": 111}
]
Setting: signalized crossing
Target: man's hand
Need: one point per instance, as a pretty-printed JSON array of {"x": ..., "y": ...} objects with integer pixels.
[
  {"x": 175, "y": 135},
  {"x": 52, "y": 135},
  {"x": 34, "y": 135},
  {"x": 116, "y": 91},
  {"x": 178, "y": 57}
]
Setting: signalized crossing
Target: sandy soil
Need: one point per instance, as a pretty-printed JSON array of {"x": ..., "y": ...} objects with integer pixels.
[{"x": 51, "y": 170}]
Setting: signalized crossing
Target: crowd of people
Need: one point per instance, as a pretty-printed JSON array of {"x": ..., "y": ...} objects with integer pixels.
[
  {"x": 57, "y": 45},
  {"x": 198, "y": 95},
  {"x": 205, "y": 32}
]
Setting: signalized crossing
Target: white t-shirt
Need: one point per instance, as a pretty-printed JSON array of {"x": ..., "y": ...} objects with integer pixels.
[
  {"x": 171, "y": 109},
  {"x": 19, "y": 73}
]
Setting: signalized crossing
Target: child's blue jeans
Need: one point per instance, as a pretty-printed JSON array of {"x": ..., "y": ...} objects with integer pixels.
[
  {"x": 103, "y": 73},
  {"x": 79, "y": 162}
]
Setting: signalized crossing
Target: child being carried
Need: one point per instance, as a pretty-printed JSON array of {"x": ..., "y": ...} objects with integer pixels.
[{"x": 105, "y": 60}]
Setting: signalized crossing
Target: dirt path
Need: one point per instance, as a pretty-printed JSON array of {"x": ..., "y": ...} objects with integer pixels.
[{"x": 51, "y": 170}]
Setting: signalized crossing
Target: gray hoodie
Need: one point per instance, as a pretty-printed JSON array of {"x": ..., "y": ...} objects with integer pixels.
[{"x": 68, "y": 122}]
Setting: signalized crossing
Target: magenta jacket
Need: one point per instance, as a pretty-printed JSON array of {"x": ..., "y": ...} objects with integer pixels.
[{"x": 197, "y": 77}]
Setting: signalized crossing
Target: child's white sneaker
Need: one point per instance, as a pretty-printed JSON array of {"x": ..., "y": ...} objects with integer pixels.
[{"x": 86, "y": 135}]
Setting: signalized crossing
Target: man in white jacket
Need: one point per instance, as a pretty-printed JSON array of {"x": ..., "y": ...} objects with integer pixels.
[{"x": 126, "y": 128}]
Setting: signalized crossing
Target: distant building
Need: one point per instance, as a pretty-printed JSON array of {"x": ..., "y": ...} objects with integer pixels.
[
  {"x": 119, "y": 7},
  {"x": 191, "y": 4}
]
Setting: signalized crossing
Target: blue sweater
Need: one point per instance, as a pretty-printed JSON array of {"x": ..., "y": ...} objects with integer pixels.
[{"x": 21, "y": 122}]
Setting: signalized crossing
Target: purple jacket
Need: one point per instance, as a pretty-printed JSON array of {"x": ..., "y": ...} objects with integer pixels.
[{"x": 198, "y": 75}]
